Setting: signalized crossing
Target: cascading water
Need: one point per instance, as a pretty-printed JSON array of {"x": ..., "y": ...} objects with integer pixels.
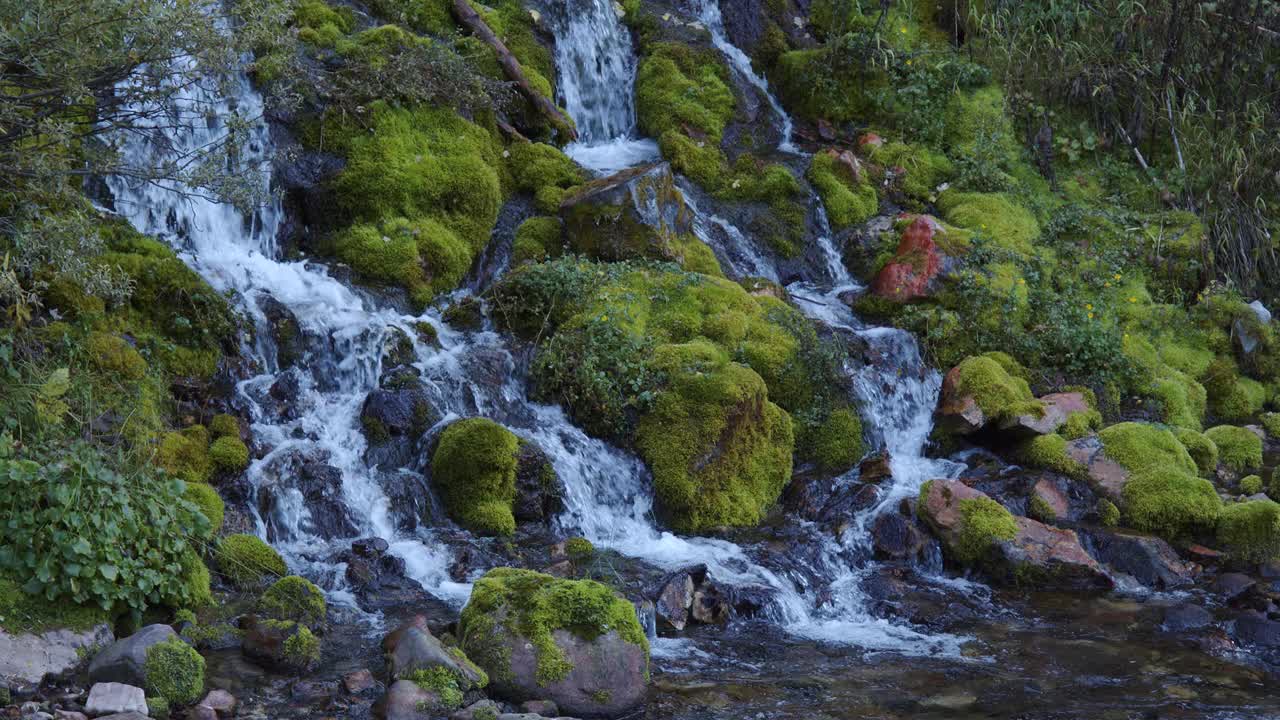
[
  {"x": 597, "y": 76},
  {"x": 236, "y": 253}
]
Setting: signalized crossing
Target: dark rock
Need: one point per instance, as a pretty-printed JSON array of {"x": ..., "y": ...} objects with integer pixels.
[
  {"x": 631, "y": 215},
  {"x": 465, "y": 314},
  {"x": 265, "y": 642},
  {"x": 320, "y": 485},
  {"x": 412, "y": 647},
  {"x": 1180, "y": 618},
  {"x": 359, "y": 682},
  {"x": 283, "y": 396},
  {"x": 394, "y": 419},
  {"x": 674, "y": 597},
  {"x": 286, "y": 332},
  {"x": 370, "y": 547},
  {"x": 312, "y": 691},
  {"x": 1258, "y": 631},
  {"x": 124, "y": 661},
  {"x": 875, "y": 468},
  {"x": 539, "y": 490},
  {"x": 544, "y": 708},
  {"x": 1233, "y": 585},
  {"x": 896, "y": 537},
  {"x": 397, "y": 350},
  {"x": 710, "y": 606},
  {"x": 1148, "y": 559}
]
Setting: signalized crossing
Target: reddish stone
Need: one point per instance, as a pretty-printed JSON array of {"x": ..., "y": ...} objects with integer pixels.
[
  {"x": 1203, "y": 552},
  {"x": 870, "y": 140},
  {"x": 915, "y": 264},
  {"x": 875, "y": 468},
  {"x": 1057, "y": 408},
  {"x": 826, "y": 130},
  {"x": 957, "y": 413},
  {"x": 1049, "y": 493},
  {"x": 847, "y": 161},
  {"x": 1105, "y": 475}
]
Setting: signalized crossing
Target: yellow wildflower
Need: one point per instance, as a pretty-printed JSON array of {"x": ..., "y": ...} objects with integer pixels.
[{"x": 1090, "y": 316}]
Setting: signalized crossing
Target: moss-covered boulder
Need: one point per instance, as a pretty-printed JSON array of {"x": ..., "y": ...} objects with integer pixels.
[
  {"x": 1250, "y": 531},
  {"x": 283, "y": 645},
  {"x": 1239, "y": 449},
  {"x": 981, "y": 390},
  {"x": 847, "y": 192},
  {"x": 719, "y": 450},
  {"x": 575, "y": 643},
  {"x": 294, "y": 598},
  {"x": 977, "y": 531},
  {"x": 474, "y": 471},
  {"x": 413, "y": 653},
  {"x": 174, "y": 671}
]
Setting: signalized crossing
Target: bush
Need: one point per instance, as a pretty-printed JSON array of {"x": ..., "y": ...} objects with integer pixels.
[
  {"x": 247, "y": 561},
  {"x": 175, "y": 672},
  {"x": 77, "y": 530},
  {"x": 294, "y": 598},
  {"x": 474, "y": 470}
]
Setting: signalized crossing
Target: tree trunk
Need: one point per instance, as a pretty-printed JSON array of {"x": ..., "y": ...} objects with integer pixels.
[{"x": 467, "y": 15}]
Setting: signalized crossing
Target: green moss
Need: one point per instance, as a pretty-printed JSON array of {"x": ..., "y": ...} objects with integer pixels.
[
  {"x": 229, "y": 454},
  {"x": 247, "y": 561},
  {"x": 849, "y": 200},
  {"x": 1182, "y": 399},
  {"x": 544, "y": 171},
  {"x": 474, "y": 470},
  {"x": 1271, "y": 423},
  {"x": 175, "y": 672},
  {"x": 185, "y": 455},
  {"x": 537, "y": 239},
  {"x": 195, "y": 581},
  {"x": 1050, "y": 452},
  {"x": 1202, "y": 450},
  {"x": 843, "y": 95},
  {"x": 224, "y": 425},
  {"x": 1108, "y": 513},
  {"x": 1239, "y": 448},
  {"x": 684, "y": 89},
  {"x": 434, "y": 17},
  {"x": 720, "y": 452},
  {"x": 984, "y": 523},
  {"x": 302, "y": 647},
  {"x": 1251, "y": 484},
  {"x": 1080, "y": 424},
  {"x": 320, "y": 24},
  {"x": 998, "y": 393},
  {"x": 836, "y": 444},
  {"x": 24, "y": 613},
  {"x": 970, "y": 114},
  {"x": 1251, "y": 530},
  {"x": 579, "y": 548},
  {"x": 533, "y": 605},
  {"x": 1140, "y": 447},
  {"x": 1039, "y": 509},
  {"x": 157, "y": 707},
  {"x": 923, "y": 169},
  {"x": 294, "y": 598},
  {"x": 442, "y": 682},
  {"x": 206, "y": 498},
  {"x": 1170, "y": 502},
  {"x": 114, "y": 355},
  {"x": 993, "y": 215}
]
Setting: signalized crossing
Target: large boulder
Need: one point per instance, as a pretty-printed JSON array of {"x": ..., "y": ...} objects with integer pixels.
[
  {"x": 981, "y": 390},
  {"x": 282, "y": 645},
  {"x": 30, "y": 657},
  {"x": 394, "y": 418},
  {"x": 124, "y": 661},
  {"x": 977, "y": 531},
  {"x": 574, "y": 643}
]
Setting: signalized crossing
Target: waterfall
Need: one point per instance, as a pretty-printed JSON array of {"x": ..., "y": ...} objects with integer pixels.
[
  {"x": 597, "y": 75},
  {"x": 236, "y": 253},
  {"x": 709, "y": 15}
]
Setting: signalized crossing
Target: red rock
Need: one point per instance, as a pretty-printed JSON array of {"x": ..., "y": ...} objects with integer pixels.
[
  {"x": 221, "y": 701},
  {"x": 848, "y": 161},
  {"x": 957, "y": 414},
  {"x": 870, "y": 140},
  {"x": 358, "y": 681},
  {"x": 1106, "y": 475},
  {"x": 875, "y": 468},
  {"x": 915, "y": 264},
  {"x": 1203, "y": 552},
  {"x": 1049, "y": 493},
  {"x": 1057, "y": 408}
]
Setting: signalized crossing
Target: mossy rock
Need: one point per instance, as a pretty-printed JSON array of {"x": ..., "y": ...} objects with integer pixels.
[
  {"x": 1202, "y": 450},
  {"x": 474, "y": 470},
  {"x": 294, "y": 598},
  {"x": 849, "y": 197},
  {"x": 1250, "y": 531},
  {"x": 1140, "y": 446},
  {"x": 573, "y": 642},
  {"x": 229, "y": 454},
  {"x": 1170, "y": 502},
  {"x": 537, "y": 239},
  {"x": 1251, "y": 484},
  {"x": 989, "y": 385},
  {"x": 175, "y": 672},
  {"x": 248, "y": 562},
  {"x": 1238, "y": 448},
  {"x": 224, "y": 425},
  {"x": 186, "y": 454}
]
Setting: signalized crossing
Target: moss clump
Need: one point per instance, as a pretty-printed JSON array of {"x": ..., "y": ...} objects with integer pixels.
[
  {"x": 579, "y": 548},
  {"x": 207, "y": 499},
  {"x": 998, "y": 393},
  {"x": 196, "y": 581},
  {"x": 157, "y": 707},
  {"x": 228, "y": 454},
  {"x": 1239, "y": 448},
  {"x": 1251, "y": 530},
  {"x": 1271, "y": 423},
  {"x": 294, "y": 598},
  {"x": 441, "y": 681},
  {"x": 720, "y": 452},
  {"x": 543, "y": 171},
  {"x": 1251, "y": 484},
  {"x": 681, "y": 88},
  {"x": 1232, "y": 396},
  {"x": 1050, "y": 452},
  {"x": 302, "y": 647},
  {"x": 923, "y": 169},
  {"x": 248, "y": 562},
  {"x": 186, "y": 454},
  {"x": 993, "y": 215},
  {"x": 836, "y": 444},
  {"x": 1140, "y": 447},
  {"x": 849, "y": 200},
  {"x": 1039, "y": 509},
  {"x": 1202, "y": 450},
  {"x": 320, "y": 24},
  {"x": 474, "y": 469},
  {"x": 24, "y": 613},
  {"x": 114, "y": 355},
  {"x": 984, "y": 522},
  {"x": 175, "y": 672},
  {"x": 224, "y": 426},
  {"x": 537, "y": 239},
  {"x": 508, "y": 601},
  {"x": 424, "y": 256},
  {"x": 1170, "y": 502},
  {"x": 1108, "y": 513}
]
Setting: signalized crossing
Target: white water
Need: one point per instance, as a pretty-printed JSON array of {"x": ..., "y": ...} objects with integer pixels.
[
  {"x": 709, "y": 14},
  {"x": 237, "y": 253},
  {"x": 597, "y": 75}
]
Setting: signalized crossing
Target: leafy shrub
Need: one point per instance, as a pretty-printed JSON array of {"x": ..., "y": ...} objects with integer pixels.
[{"x": 78, "y": 530}]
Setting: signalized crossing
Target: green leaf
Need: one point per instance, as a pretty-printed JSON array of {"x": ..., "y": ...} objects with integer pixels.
[{"x": 108, "y": 571}]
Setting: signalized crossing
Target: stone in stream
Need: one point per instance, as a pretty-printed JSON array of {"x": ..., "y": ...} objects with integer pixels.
[
  {"x": 895, "y": 537},
  {"x": 359, "y": 682},
  {"x": 978, "y": 531},
  {"x": 574, "y": 643},
  {"x": 394, "y": 418},
  {"x": 412, "y": 647},
  {"x": 285, "y": 330},
  {"x": 1150, "y": 560},
  {"x": 106, "y": 698},
  {"x": 308, "y": 473},
  {"x": 405, "y": 700},
  {"x": 30, "y": 657},
  {"x": 875, "y": 468},
  {"x": 282, "y": 645},
  {"x": 124, "y": 661},
  {"x": 1180, "y": 618},
  {"x": 478, "y": 711},
  {"x": 221, "y": 702},
  {"x": 539, "y": 489}
]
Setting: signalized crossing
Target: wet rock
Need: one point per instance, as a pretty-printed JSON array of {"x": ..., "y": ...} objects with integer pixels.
[
  {"x": 221, "y": 702},
  {"x": 1058, "y": 407},
  {"x": 267, "y": 642},
  {"x": 478, "y": 711},
  {"x": 297, "y": 479},
  {"x": 544, "y": 708},
  {"x": 282, "y": 397},
  {"x": 412, "y": 647},
  {"x": 1233, "y": 585},
  {"x": 895, "y": 537},
  {"x": 124, "y": 661},
  {"x": 1259, "y": 631},
  {"x": 875, "y": 468},
  {"x": 106, "y": 698},
  {"x": 710, "y": 606},
  {"x": 1106, "y": 475},
  {"x": 915, "y": 264},
  {"x": 539, "y": 490},
  {"x": 406, "y": 701},
  {"x": 1052, "y": 558},
  {"x": 394, "y": 418},
  {"x": 286, "y": 332},
  {"x": 1180, "y": 618},
  {"x": 674, "y": 598},
  {"x": 29, "y": 658},
  {"x": 397, "y": 350},
  {"x": 631, "y": 215},
  {"x": 359, "y": 682},
  {"x": 312, "y": 692},
  {"x": 1150, "y": 560},
  {"x": 849, "y": 501},
  {"x": 1053, "y": 498}
]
